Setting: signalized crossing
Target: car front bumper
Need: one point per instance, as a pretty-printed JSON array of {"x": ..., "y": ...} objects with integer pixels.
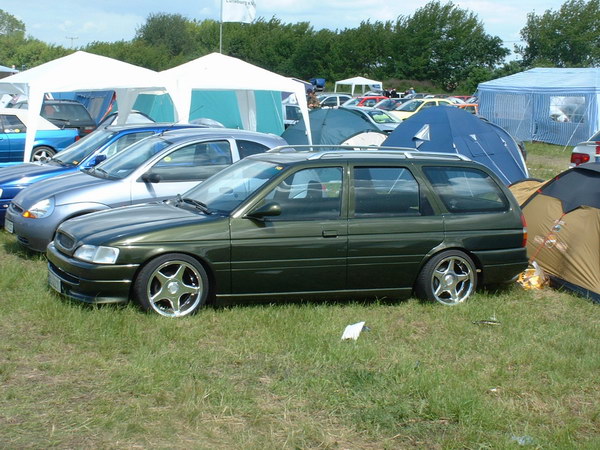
[
  {"x": 87, "y": 282},
  {"x": 34, "y": 234}
]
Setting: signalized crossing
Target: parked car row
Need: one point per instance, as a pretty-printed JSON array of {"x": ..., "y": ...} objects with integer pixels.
[
  {"x": 82, "y": 155},
  {"x": 176, "y": 218}
]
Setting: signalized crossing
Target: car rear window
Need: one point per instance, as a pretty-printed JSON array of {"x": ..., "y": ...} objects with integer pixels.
[{"x": 465, "y": 190}]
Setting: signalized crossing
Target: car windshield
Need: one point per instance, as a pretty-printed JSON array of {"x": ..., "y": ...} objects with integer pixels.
[
  {"x": 124, "y": 163},
  {"x": 351, "y": 102},
  {"x": 226, "y": 190},
  {"x": 381, "y": 117},
  {"x": 77, "y": 152},
  {"x": 410, "y": 106},
  {"x": 387, "y": 105}
]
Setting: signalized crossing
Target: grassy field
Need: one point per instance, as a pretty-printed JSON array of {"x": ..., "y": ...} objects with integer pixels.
[{"x": 279, "y": 376}]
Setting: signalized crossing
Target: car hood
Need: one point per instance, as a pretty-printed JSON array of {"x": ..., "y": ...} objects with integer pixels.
[
  {"x": 127, "y": 223},
  {"x": 68, "y": 188},
  {"x": 29, "y": 173}
]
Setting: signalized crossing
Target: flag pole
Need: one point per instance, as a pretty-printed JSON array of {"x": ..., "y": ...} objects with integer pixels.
[{"x": 221, "y": 30}]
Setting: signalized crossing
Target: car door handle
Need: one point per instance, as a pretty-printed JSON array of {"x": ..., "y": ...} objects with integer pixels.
[{"x": 329, "y": 233}]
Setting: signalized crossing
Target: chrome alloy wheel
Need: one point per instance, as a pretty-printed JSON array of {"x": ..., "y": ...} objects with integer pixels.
[
  {"x": 452, "y": 280},
  {"x": 175, "y": 288}
]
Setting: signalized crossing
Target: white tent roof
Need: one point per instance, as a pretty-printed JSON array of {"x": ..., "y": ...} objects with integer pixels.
[
  {"x": 80, "y": 71},
  {"x": 359, "y": 81},
  {"x": 220, "y": 72}
]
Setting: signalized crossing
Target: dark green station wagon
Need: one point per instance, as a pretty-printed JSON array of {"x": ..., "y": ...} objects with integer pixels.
[{"x": 301, "y": 224}]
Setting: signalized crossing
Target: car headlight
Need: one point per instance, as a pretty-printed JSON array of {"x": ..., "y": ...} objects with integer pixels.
[
  {"x": 97, "y": 254},
  {"x": 43, "y": 208}
]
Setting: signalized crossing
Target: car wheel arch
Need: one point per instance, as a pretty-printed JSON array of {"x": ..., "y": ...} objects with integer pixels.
[
  {"x": 437, "y": 250},
  {"x": 212, "y": 280}
]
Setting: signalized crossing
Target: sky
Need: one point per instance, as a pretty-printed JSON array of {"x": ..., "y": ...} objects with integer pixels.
[{"x": 76, "y": 23}]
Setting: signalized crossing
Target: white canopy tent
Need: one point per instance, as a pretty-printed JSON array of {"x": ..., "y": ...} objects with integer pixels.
[
  {"x": 359, "y": 81},
  {"x": 219, "y": 72},
  {"x": 79, "y": 71}
]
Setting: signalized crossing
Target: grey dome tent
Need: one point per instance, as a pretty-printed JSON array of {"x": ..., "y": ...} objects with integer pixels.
[{"x": 331, "y": 127}]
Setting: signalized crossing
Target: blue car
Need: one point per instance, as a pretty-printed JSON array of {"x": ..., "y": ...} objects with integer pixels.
[
  {"x": 85, "y": 153},
  {"x": 49, "y": 139}
]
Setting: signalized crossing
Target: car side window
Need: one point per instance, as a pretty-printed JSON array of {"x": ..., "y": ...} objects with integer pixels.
[
  {"x": 465, "y": 190},
  {"x": 309, "y": 194},
  {"x": 12, "y": 124},
  {"x": 385, "y": 191},
  {"x": 196, "y": 161},
  {"x": 330, "y": 101},
  {"x": 247, "y": 148}
]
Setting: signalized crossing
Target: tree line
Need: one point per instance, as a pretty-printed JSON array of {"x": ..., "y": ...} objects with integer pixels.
[{"x": 440, "y": 44}]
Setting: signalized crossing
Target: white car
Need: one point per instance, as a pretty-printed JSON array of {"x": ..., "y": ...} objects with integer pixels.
[
  {"x": 333, "y": 100},
  {"x": 588, "y": 151}
]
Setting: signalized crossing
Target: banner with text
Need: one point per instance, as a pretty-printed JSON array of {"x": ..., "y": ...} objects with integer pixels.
[{"x": 238, "y": 11}]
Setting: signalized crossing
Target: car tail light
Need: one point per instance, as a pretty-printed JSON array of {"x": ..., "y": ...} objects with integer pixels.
[
  {"x": 77, "y": 138},
  {"x": 597, "y": 151},
  {"x": 580, "y": 158},
  {"x": 524, "y": 222}
]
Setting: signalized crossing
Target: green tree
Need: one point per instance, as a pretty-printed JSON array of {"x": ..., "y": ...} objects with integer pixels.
[
  {"x": 569, "y": 37},
  {"x": 443, "y": 43},
  {"x": 171, "y": 31},
  {"x": 10, "y": 25}
]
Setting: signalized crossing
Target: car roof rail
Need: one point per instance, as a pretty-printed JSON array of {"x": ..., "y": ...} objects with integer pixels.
[{"x": 323, "y": 151}]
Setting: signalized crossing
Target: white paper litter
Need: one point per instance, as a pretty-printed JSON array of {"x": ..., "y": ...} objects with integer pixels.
[{"x": 353, "y": 331}]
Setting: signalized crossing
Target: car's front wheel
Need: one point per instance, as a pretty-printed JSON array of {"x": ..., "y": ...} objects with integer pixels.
[
  {"x": 449, "y": 278},
  {"x": 42, "y": 153},
  {"x": 172, "y": 285}
]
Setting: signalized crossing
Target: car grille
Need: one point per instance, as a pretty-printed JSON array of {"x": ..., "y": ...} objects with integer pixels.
[{"x": 64, "y": 241}]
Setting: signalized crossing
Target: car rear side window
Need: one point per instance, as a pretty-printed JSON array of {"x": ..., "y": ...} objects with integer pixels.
[
  {"x": 385, "y": 191},
  {"x": 247, "y": 148},
  {"x": 465, "y": 190},
  {"x": 12, "y": 124}
]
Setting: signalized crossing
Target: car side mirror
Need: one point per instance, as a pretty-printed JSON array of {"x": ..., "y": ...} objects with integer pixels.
[
  {"x": 98, "y": 159},
  {"x": 268, "y": 210},
  {"x": 151, "y": 177}
]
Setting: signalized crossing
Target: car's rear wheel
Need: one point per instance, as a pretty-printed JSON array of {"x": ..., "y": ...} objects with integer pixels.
[
  {"x": 449, "y": 278},
  {"x": 42, "y": 153},
  {"x": 172, "y": 285}
]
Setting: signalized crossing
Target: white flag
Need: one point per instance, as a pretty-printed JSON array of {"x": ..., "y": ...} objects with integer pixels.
[{"x": 238, "y": 11}]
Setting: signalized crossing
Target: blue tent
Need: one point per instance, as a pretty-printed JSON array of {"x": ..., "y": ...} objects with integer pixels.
[
  {"x": 558, "y": 106},
  {"x": 448, "y": 129}
]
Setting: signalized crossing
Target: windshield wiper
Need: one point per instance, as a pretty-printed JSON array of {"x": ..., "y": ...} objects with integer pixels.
[{"x": 196, "y": 203}]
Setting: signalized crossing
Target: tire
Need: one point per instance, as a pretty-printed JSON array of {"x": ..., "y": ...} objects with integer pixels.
[
  {"x": 172, "y": 285},
  {"x": 449, "y": 278},
  {"x": 42, "y": 152}
]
